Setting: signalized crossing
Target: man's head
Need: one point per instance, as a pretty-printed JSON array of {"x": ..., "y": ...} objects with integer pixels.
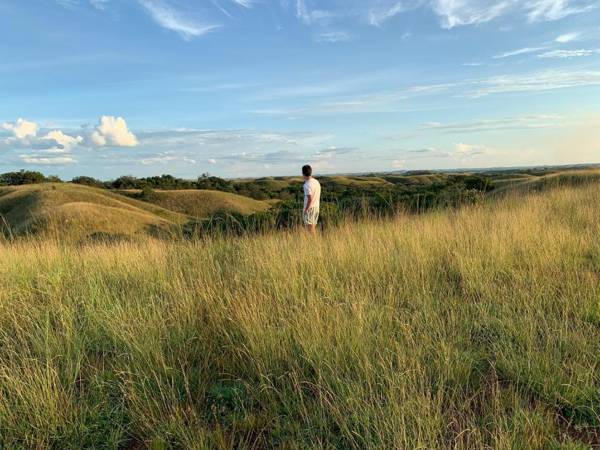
[{"x": 307, "y": 171}]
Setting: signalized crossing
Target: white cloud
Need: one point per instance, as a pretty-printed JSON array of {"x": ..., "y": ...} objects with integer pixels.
[
  {"x": 532, "y": 82},
  {"x": 165, "y": 158},
  {"x": 46, "y": 160},
  {"x": 502, "y": 124},
  {"x": 63, "y": 141},
  {"x": 245, "y": 3},
  {"x": 548, "y": 10},
  {"x": 568, "y": 37},
  {"x": 398, "y": 164},
  {"x": 562, "y": 54},
  {"x": 171, "y": 19},
  {"x": 312, "y": 16},
  {"x": 469, "y": 12},
  {"x": 465, "y": 151},
  {"x": 452, "y": 13},
  {"x": 379, "y": 13},
  {"x": 99, "y": 4},
  {"x": 334, "y": 36},
  {"x": 22, "y": 129},
  {"x": 212, "y": 161},
  {"x": 521, "y": 51},
  {"x": 113, "y": 131}
]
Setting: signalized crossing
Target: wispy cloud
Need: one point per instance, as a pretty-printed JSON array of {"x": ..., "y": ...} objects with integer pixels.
[
  {"x": 521, "y": 51},
  {"x": 567, "y": 54},
  {"x": 47, "y": 160},
  {"x": 451, "y": 13},
  {"x": 245, "y": 3},
  {"x": 171, "y": 19},
  {"x": 502, "y": 124},
  {"x": 334, "y": 36},
  {"x": 455, "y": 13},
  {"x": 568, "y": 37},
  {"x": 548, "y": 10},
  {"x": 533, "y": 82}
]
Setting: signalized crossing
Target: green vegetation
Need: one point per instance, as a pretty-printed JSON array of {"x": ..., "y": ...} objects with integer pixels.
[
  {"x": 468, "y": 328},
  {"x": 168, "y": 206}
]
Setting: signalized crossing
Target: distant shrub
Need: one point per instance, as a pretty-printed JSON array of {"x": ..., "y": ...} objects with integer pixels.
[
  {"x": 88, "y": 181},
  {"x": 147, "y": 194},
  {"x": 205, "y": 181}
]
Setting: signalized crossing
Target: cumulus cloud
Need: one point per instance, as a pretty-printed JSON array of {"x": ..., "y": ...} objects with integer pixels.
[
  {"x": 62, "y": 141},
  {"x": 113, "y": 131},
  {"x": 21, "y": 129}
]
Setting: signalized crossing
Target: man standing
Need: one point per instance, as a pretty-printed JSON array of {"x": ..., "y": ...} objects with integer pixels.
[{"x": 312, "y": 200}]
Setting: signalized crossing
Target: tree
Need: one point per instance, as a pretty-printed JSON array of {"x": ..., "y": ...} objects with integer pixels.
[
  {"x": 88, "y": 181},
  {"x": 21, "y": 177}
]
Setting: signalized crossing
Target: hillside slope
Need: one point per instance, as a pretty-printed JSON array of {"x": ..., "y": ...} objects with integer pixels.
[
  {"x": 523, "y": 183},
  {"x": 202, "y": 203},
  {"x": 79, "y": 212}
]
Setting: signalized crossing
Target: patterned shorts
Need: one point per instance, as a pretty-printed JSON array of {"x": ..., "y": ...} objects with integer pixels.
[{"x": 311, "y": 217}]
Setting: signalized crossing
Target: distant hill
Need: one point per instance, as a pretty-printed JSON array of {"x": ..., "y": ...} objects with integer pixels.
[
  {"x": 201, "y": 203},
  {"x": 80, "y": 212},
  {"x": 525, "y": 182}
]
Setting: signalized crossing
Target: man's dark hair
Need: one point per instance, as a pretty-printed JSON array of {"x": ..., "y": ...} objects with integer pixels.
[{"x": 307, "y": 171}]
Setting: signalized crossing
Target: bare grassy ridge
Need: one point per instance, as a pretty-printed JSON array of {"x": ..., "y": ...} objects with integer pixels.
[
  {"x": 74, "y": 212},
  {"x": 471, "y": 329},
  {"x": 203, "y": 203}
]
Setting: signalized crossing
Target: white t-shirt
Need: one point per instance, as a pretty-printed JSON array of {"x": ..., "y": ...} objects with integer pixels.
[{"x": 313, "y": 188}]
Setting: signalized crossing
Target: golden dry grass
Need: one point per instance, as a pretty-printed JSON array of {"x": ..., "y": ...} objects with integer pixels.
[
  {"x": 75, "y": 212},
  {"x": 469, "y": 329},
  {"x": 204, "y": 203}
]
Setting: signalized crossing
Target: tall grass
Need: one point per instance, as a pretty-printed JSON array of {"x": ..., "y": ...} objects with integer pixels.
[{"x": 469, "y": 329}]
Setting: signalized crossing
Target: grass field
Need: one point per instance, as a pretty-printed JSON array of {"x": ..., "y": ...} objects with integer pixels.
[
  {"x": 469, "y": 329},
  {"x": 74, "y": 212},
  {"x": 203, "y": 203}
]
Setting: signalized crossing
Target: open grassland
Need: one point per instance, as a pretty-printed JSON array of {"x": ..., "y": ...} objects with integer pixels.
[
  {"x": 526, "y": 182},
  {"x": 469, "y": 329}
]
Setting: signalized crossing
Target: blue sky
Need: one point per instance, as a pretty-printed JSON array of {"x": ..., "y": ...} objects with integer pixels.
[{"x": 243, "y": 88}]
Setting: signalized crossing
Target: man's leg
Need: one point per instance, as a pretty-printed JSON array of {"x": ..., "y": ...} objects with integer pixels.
[{"x": 312, "y": 229}]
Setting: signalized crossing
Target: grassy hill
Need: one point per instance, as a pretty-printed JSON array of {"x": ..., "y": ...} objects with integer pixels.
[
  {"x": 76, "y": 212},
  {"x": 202, "y": 203},
  {"x": 526, "y": 182},
  {"x": 475, "y": 328}
]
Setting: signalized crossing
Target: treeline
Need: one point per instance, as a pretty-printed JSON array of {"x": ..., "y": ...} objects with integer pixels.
[{"x": 167, "y": 182}]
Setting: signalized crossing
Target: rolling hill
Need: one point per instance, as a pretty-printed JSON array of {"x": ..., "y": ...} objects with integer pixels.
[
  {"x": 525, "y": 182},
  {"x": 79, "y": 212},
  {"x": 202, "y": 203}
]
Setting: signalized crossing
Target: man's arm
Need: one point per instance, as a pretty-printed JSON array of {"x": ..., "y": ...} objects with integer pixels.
[{"x": 309, "y": 200}]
